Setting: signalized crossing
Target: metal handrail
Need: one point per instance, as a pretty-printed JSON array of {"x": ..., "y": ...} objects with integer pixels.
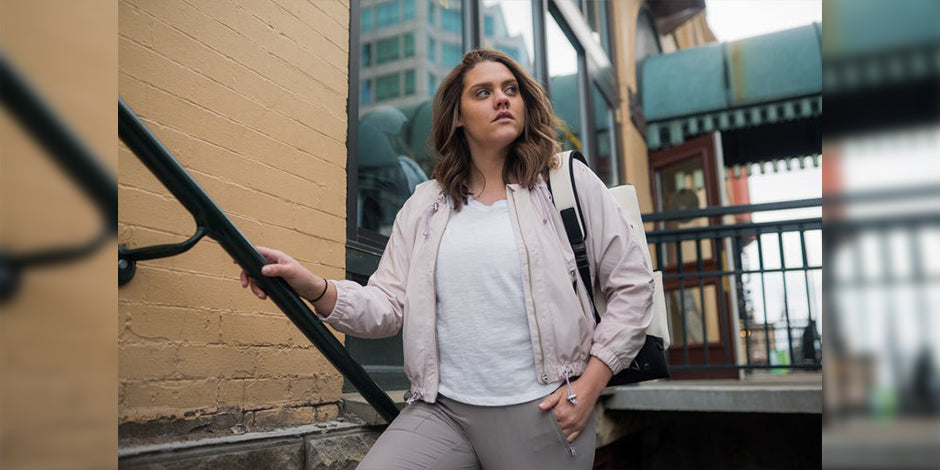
[
  {"x": 61, "y": 145},
  {"x": 135, "y": 134}
]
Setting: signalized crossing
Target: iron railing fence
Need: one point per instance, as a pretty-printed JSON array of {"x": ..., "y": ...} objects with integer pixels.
[{"x": 741, "y": 293}]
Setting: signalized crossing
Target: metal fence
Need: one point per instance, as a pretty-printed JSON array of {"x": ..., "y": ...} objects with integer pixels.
[{"x": 743, "y": 286}]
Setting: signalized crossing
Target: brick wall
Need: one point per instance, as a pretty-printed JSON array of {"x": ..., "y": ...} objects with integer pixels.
[
  {"x": 251, "y": 98},
  {"x": 58, "y": 373}
]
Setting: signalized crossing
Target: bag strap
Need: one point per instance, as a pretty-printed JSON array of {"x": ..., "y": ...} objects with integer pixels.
[{"x": 565, "y": 197}]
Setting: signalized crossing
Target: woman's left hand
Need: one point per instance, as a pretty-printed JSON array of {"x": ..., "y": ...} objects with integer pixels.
[{"x": 573, "y": 418}]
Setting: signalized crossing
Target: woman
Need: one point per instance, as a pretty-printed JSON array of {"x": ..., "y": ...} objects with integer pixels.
[{"x": 505, "y": 361}]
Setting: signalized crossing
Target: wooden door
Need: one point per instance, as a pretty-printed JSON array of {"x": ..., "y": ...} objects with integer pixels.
[{"x": 690, "y": 176}]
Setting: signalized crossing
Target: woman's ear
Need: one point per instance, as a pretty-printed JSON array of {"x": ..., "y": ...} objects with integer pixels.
[{"x": 458, "y": 123}]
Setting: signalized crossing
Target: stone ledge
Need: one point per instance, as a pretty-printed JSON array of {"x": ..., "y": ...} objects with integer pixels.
[
  {"x": 321, "y": 446},
  {"x": 731, "y": 398},
  {"x": 299, "y": 431}
]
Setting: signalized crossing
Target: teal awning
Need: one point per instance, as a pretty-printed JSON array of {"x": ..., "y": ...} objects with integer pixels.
[{"x": 760, "y": 80}]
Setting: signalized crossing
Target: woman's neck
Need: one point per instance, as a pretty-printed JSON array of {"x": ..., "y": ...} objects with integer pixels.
[{"x": 486, "y": 179}]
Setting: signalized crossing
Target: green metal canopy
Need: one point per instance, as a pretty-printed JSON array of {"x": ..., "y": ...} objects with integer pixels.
[{"x": 764, "y": 80}]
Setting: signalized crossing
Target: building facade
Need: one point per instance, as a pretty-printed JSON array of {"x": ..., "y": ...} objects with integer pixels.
[{"x": 307, "y": 123}]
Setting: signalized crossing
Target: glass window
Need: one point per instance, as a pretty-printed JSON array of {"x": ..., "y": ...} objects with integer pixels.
[
  {"x": 432, "y": 49},
  {"x": 507, "y": 27},
  {"x": 451, "y": 54},
  {"x": 366, "y": 19},
  {"x": 366, "y": 54},
  {"x": 387, "y": 50},
  {"x": 409, "y": 39},
  {"x": 388, "y": 86},
  {"x": 409, "y": 7},
  {"x": 394, "y": 115},
  {"x": 365, "y": 91},
  {"x": 386, "y": 14},
  {"x": 605, "y": 151},
  {"x": 451, "y": 20},
  {"x": 596, "y": 12},
  {"x": 563, "y": 85},
  {"x": 409, "y": 82}
]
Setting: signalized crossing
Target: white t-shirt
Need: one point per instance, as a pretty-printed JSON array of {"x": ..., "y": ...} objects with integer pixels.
[{"x": 482, "y": 329}]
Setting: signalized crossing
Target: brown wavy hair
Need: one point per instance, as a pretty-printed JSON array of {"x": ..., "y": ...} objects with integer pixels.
[{"x": 529, "y": 156}]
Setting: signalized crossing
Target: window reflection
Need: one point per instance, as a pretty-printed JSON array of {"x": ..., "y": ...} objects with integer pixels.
[
  {"x": 688, "y": 320},
  {"x": 596, "y": 13},
  {"x": 407, "y": 47},
  {"x": 507, "y": 27},
  {"x": 605, "y": 161},
  {"x": 563, "y": 84}
]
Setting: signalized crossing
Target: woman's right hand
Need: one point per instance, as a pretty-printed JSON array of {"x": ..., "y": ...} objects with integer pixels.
[{"x": 304, "y": 282}]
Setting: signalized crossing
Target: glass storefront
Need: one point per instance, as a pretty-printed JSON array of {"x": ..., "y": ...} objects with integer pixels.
[
  {"x": 402, "y": 51},
  {"x": 405, "y": 48},
  {"x": 563, "y": 85}
]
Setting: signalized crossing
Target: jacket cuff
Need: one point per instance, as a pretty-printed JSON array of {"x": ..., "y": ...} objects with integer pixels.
[
  {"x": 343, "y": 305},
  {"x": 608, "y": 357}
]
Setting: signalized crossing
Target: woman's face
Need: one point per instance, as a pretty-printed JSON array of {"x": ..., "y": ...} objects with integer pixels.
[{"x": 492, "y": 112}]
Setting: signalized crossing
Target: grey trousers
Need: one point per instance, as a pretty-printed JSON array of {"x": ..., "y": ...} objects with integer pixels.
[{"x": 448, "y": 435}]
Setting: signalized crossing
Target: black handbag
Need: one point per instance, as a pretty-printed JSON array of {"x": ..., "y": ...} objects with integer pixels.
[{"x": 650, "y": 362}]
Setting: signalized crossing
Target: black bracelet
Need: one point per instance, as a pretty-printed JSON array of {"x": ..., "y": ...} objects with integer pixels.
[{"x": 326, "y": 287}]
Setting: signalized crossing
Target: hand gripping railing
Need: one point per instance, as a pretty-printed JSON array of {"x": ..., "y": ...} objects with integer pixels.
[{"x": 211, "y": 221}]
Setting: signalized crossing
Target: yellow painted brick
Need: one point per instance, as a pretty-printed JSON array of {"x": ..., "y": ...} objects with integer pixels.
[
  {"x": 276, "y": 211},
  {"x": 136, "y": 207},
  {"x": 327, "y": 412},
  {"x": 186, "y": 83},
  {"x": 157, "y": 322},
  {"x": 131, "y": 172},
  {"x": 134, "y": 24},
  {"x": 216, "y": 361},
  {"x": 282, "y": 156},
  {"x": 124, "y": 309},
  {"x": 294, "y": 20},
  {"x": 266, "y": 392},
  {"x": 241, "y": 201},
  {"x": 220, "y": 10},
  {"x": 193, "y": 54},
  {"x": 258, "y": 330},
  {"x": 242, "y": 167},
  {"x": 290, "y": 362},
  {"x": 167, "y": 109},
  {"x": 171, "y": 288},
  {"x": 228, "y": 43},
  {"x": 322, "y": 388},
  {"x": 231, "y": 392},
  {"x": 145, "y": 361},
  {"x": 284, "y": 36},
  {"x": 336, "y": 11},
  {"x": 179, "y": 15},
  {"x": 285, "y": 416},
  {"x": 207, "y": 257},
  {"x": 167, "y": 397}
]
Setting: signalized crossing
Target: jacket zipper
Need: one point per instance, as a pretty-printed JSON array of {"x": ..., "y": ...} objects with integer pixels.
[
  {"x": 538, "y": 327},
  {"x": 440, "y": 202}
]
